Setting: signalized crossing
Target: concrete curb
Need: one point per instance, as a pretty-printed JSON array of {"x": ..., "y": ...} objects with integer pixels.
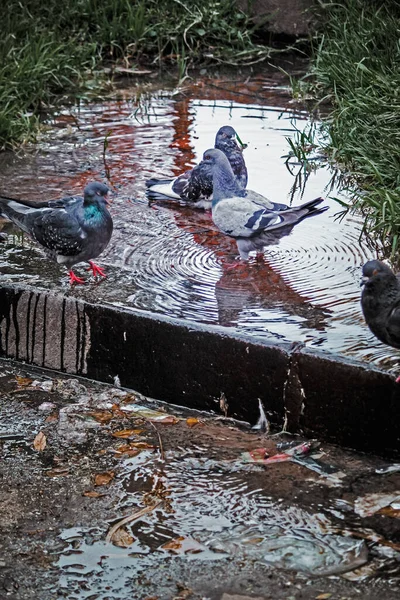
[{"x": 329, "y": 397}]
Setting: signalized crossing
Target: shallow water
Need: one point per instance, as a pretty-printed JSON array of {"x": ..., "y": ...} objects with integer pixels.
[
  {"x": 170, "y": 259},
  {"x": 209, "y": 513}
]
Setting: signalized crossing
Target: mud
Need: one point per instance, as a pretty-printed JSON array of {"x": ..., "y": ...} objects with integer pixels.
[{"x": 204, "y": 502}]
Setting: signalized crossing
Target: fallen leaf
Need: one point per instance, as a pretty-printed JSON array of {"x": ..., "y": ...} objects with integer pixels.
[
  {"x": 51, "y": 418},
  {"x": 58, "y": 472},
  {"x": 183, "y": 545},
  {"x": 39, "y": 443},
  {"x": 173, "y": 544},
  {"x": 117, "y": 412},
  {"x": 23, "y": 381},
  {"x": 167, "y": 420},
  {"x": 129, "y": 453},
  {"x": 104, "y": 478},
  {"x": 192, "y": 421},
  {"x": 92, "y": 494},
  {"x": 103, "y": 416},
  {"x": 389, "y": 511},
  {"x": 323, "y": 596},
  {"x": 124, "y": 433},
  {"x": 128, "y": 399},
  {"x": 253, "y": 540},
  {"x": 122, "y": 538},
  {"x": 142, "y": 445}
]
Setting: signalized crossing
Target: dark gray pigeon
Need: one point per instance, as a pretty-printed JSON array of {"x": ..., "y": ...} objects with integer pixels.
[
  {"x": 70, "y": 230},
  {"x": 250, "y": 218},
  {"x": 194, "y": 187},
  {"x": 380, "y": 302}
]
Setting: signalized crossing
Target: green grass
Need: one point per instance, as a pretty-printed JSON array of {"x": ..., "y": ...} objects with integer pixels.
[
  {"x": 48, "y": 50},
  {"x": 356, "y": 66}
]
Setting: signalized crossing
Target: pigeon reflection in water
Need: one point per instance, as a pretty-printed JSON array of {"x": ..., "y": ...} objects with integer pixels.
[{"x": 251, "y": 285}]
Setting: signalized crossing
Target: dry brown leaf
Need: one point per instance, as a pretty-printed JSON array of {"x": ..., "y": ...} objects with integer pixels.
[
  {"x": 122, "y": 538},
  {"x": 124, "y": 433},
  {"x": 102, "y": 416},
  {"x": 23, "y": 381},
  {"x": 167, "y": 420},
  {"x": 183, "y": 545},
  {"x": 92, "y": 494},
  {"x": 51, "y": 418},
  {"x": 58, "y": 472},
  {"x": 39, "y": 443},
  {"x": 175, "y": 544},
  {"x": 388, "y": 511},
  {"x": 123, "y": 448},
  {"x": 142, "y": 445},
  {"x": 323, "y": 596},
  {"x": 128, "y": 453},
  {"x": 192, "y": 422},
  {"x": 128, "y": 399},
  {"x": 104, "y": 478}
]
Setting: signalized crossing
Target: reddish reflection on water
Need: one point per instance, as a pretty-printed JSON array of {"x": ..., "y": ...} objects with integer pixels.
[{"x": 171, "y": 259}]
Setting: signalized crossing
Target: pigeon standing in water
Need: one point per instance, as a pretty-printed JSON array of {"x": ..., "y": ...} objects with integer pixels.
[
  {"x": 194, "y": 187},
  {"x": 70, "y": 230},
  {"x": 253, "y": 220},
  {"x": 380, "y": 302}
]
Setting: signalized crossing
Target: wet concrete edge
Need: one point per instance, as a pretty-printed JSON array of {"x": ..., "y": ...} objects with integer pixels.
[{"x": 324, "y": 396}]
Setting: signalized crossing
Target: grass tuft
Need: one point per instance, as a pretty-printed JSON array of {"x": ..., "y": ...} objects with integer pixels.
[
  {"x": 356, "y": 66},
  {"x": 46, "y": 49}
]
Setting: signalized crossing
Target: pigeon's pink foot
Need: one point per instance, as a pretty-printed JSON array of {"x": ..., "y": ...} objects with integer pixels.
[
  {"x": 96, "y": 270},
  {"x": 398, "y": 379},
  {"x": 75, "y": 279}
]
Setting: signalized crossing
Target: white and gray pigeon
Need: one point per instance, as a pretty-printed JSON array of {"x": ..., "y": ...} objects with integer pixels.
[
  {"x": 194, "y": 187},
  {"x": 250, "y": 218},
  {"x": 380, "y": 302},
  {"x": 70, "y": 230}
]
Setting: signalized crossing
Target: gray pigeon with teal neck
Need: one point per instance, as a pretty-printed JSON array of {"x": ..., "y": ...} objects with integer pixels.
[
  {"x": 70, "y": 230},
  {"x": 194, "y": 187},
  {"x": 380, "y": 302},
  {"x": 250, "y": 218}
]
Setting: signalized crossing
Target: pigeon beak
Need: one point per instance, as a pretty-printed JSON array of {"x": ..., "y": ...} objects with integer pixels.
[
  {"x": 363, "y": 281},
  {"x": 242, "y": 146}
]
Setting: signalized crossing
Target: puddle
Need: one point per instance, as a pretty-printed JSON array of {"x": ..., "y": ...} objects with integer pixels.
[
  {"x": 170, "y": 259},
  {"x": 194, "y": 518},
  {"x": 209, "y": 513}
]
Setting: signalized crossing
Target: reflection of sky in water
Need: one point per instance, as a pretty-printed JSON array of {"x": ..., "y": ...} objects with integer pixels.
[
  {"x": 307, "y": 287},
  {"x": 214, "y": 514}
]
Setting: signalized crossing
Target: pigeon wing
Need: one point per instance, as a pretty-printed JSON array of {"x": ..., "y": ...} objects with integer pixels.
[
  {"x": 263, "y": 201},
  {"x": 240, "y": 217},
  {"x": 194, "y": 184},
  {"x": 60, "y": 231},
  {"x": 393, "y": 326}
]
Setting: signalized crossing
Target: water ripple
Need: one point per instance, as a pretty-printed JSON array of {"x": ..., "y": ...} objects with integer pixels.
[{"x": 171, "y": 259}]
